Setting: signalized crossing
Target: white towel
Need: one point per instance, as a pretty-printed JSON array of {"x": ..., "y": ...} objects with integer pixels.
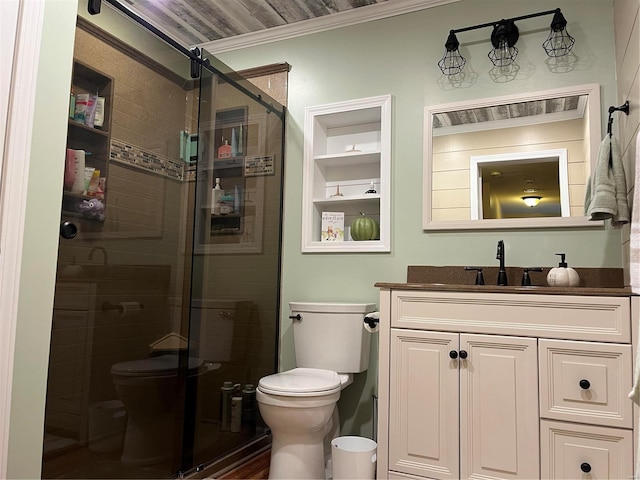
[{"x": 606, "y": 196}]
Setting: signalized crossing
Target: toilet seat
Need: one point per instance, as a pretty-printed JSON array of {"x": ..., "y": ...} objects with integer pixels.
[
  {"x": 301, "y": 382},
  {"x": 154, "y": 366}
]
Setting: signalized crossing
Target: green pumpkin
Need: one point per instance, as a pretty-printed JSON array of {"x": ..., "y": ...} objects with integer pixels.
[{"x": 365, "y": 228}]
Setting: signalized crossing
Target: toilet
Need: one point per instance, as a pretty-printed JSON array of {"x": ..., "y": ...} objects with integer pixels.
[
  {"x": 299, "y": 405},
  {"x": 148, "y": 387}
]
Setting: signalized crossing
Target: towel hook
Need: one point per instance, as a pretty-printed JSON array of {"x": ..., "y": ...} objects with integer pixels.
[{"x": 622, "y": 108}]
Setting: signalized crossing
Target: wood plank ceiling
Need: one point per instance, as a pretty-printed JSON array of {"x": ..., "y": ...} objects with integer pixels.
[{"x": 193, "y": 22}]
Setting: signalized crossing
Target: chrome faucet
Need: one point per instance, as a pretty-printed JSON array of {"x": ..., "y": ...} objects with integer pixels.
[
  {"x": 502, "y": 273},
  {"x": 104, "y": 254}
]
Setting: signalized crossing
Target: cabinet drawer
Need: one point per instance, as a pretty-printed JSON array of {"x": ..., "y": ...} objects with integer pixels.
[
  {"x": 586, "y": 382},
  {"x": 591, "y": 318},
  {"x": 582, "y": 451}
]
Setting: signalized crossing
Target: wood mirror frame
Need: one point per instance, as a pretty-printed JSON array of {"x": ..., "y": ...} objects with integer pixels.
[{"x": 449, "y": 208}]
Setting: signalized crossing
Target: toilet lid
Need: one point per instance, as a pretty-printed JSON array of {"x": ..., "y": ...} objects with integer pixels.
[
  {"x": 301, "y": 382},
  {"x": 161, "y": 365}
]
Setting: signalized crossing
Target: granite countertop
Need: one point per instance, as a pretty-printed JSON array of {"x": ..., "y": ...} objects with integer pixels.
[{"x": 593, "y": 281}]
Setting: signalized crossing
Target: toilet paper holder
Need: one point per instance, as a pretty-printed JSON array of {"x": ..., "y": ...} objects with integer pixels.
[{"x": 372, "y": 319}]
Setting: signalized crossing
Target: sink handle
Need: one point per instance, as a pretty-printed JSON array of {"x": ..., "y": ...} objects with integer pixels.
[
  {"x": 526, "y": 279},
  {"x": 479, "y": 276}
]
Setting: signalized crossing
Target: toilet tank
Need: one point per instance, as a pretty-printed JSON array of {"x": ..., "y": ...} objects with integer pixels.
[
  {"x": 331, "y": 336},
  {"x": 214, "y": 321}
]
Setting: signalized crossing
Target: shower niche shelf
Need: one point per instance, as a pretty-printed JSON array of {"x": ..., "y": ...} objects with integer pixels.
[
  {"x": 240, "y": 229},
  {"x": 347, "y": 149},
  {"x": 95, "y": 141}
]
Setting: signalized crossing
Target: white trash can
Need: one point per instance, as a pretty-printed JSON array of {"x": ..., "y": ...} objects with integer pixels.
[{"x": 353, "y": 458}]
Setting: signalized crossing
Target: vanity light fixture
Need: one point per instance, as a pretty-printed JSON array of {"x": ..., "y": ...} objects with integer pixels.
[
  {"x": 452, "y": 62},
  {"x": 531, "y": 200},
  {"x": 503, "y": 39}
]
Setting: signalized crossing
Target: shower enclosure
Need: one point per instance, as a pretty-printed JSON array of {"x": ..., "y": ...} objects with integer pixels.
[{"x": 167, "y": 291}]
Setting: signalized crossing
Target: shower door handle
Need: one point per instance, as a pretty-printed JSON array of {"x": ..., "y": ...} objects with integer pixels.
[{"x": 68, "y": 230}]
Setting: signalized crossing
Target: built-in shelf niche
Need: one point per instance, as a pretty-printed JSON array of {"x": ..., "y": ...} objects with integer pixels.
[{"x": 347, "y": 148}]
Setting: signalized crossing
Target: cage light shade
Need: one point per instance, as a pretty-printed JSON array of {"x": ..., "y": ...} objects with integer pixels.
[
  {"x": 452, "y": 62},
  {"x": 559, "y": 42},
  {"x": 503, "y": 38},
  {"x": 531, "y": 200}
]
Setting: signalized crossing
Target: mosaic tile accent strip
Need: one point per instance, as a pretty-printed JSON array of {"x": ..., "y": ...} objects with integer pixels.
[{"x": 159, "y": 164}]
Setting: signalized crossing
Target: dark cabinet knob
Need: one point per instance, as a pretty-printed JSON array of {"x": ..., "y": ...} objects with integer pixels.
[
  {"x": 68, "y": 230},
  {"x": 453, "y": 354},
  {"x": 585, "y": 384},
  {"x": 585, "y": 467},
  {"x": 463, "y": 354}
]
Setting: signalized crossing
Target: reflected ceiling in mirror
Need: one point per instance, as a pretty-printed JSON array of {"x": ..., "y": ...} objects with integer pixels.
[{"x": 482, "y": 157}]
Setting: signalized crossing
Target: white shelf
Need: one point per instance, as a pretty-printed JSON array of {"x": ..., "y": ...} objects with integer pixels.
[
  {"x": 331, "y": 132},
  {"x": 341, "y": 159},
  {"x": 361, "y": 198}
]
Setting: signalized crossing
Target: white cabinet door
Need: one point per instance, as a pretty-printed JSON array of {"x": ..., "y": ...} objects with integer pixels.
[
  {"x": 69, "y": 364},
  {"x": 499, "y": 436},
  {"x": 423, "y": 404}
]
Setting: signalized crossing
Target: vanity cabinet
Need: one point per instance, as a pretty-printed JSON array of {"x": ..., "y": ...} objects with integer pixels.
[
  {"x": 463, "y": 405},
  {"x": 504, "y": 385},
  {"x": 347, "y": 170},
  {"x": 95, "y": 141},
  {"x": 70, "y": 359}
]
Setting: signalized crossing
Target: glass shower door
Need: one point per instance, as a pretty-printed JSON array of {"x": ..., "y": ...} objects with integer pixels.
[
  {"x": 236, "y": 259},
  {"x": 165, "y": 290}
]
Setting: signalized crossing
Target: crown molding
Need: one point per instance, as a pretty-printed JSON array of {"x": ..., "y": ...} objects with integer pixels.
[{"x": 354, "y": 16}]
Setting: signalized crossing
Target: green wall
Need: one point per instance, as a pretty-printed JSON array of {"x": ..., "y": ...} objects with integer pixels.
[{"x": 399, "y": 55}]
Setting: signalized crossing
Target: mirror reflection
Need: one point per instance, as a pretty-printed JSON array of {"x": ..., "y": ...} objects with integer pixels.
[
  {"x": 520, "y": 185},
  {"x": 514, "y": 161}
]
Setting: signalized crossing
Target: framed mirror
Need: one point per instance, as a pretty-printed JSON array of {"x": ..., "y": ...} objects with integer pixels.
[{"x": 516, "y": 161}]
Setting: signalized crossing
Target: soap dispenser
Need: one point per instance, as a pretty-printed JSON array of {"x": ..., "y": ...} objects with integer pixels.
[
  {"x": 216, "y": 198},
  {"x": 562, "y": 275}
]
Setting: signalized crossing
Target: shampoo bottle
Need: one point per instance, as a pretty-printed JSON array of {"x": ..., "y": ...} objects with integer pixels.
[
  {"x": 236, "y": 409},
  {"x": 562, "y": 275},
  {"x": 216, "y": 197},
  {"x": 226, "y": 393},
  {"x": 249, "y": 406}
]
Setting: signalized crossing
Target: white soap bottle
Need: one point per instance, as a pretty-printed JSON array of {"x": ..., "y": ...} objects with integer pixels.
[
  {"x": 216, "y": 197},
  {"x": 562, "y": 275}
]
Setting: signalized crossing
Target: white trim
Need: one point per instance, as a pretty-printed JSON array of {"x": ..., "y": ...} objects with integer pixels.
[
  {"x": 13, "y": 196},
  {"x": 476, "y": 179},
  {"x": 354, "y": 16}
]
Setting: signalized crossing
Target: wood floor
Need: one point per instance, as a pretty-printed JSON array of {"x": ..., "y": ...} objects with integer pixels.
[{"x": 255, "y": 469}]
